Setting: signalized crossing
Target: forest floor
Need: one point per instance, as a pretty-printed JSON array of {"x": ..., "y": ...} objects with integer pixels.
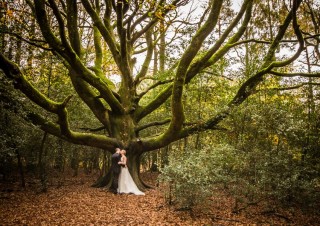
[{"x": 72, "y": 201}]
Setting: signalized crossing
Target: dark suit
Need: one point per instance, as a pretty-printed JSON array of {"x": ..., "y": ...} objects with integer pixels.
[{"x": 115, "y": 168}]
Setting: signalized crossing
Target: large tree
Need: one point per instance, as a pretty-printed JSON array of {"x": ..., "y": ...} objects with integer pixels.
[{"x": 120, "y": 29}]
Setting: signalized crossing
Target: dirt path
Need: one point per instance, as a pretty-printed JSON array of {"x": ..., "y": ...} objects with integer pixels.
[{"x": 76, "y": 203}]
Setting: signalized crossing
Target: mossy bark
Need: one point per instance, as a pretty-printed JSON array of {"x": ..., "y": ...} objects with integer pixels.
[
  {"x": 123, "y": 130},
  {"x": 133, "y": 162}
]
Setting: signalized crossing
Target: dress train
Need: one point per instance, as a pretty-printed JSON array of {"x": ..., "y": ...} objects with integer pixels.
[{"x": 126, "y": 183}]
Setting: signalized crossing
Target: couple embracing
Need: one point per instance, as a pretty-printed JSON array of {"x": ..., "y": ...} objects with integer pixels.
[{"x": 122, "y": 181}]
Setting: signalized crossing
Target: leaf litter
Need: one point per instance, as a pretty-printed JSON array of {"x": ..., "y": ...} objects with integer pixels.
[{"x": 77, "y": 203}]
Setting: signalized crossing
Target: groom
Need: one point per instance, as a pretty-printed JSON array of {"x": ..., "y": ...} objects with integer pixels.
[{"x": 115, "y": 169}]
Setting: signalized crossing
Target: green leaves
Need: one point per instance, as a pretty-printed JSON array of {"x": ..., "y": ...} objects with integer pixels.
[{"x": 194, "y": 173}]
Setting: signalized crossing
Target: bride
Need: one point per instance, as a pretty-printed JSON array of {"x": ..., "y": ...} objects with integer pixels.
[{"x": 126, "y": 183}]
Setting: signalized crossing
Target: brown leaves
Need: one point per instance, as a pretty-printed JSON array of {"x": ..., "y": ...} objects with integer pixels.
[{"x": 78, "y": 204}]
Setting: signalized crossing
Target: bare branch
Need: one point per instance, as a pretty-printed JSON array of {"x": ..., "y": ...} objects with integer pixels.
[
  {"x": 308, "y": 75},
  {"x": 157, "y": 123},
  {"x": 42, "y": 19},
  {"x": 147, "y": 27},
  {"x": 291, "y": 87},
  {"x": 61, "y": 24},
  {"x": 31, "y": 42},
  {"x": 158, "y": 83}
]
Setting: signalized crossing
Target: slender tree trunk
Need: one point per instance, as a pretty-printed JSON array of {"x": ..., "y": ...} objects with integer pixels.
[
  {"x": 103, "y": 170},
  {"x": 60, "y": 159},
  {"x": 155, "y": 55},
  {"x": 42, "y": 164},
  {"x": 31, "y": 47},
  {"x": 185, "y": 143},
  {"x": 3, "y": 25},
  {"x": 18, "y": 52},
  {"x": 162, "y": 50},
  {"x": 165, "y": 156},
  {"x": 197, "y": 143},
  {"x": 43, "y": 152},
  {"x": 311, "y": 113},
  {"x": 154, "y": 166},
  {"x": 20, "y": 166},
  {"x": 270, "y": 20},
  {"x": 18, "y": 59},
  {"x": 75, "y": 162}
]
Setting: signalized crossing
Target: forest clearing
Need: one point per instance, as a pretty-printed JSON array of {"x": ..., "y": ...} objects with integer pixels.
[{"x": 71, "y": 201}]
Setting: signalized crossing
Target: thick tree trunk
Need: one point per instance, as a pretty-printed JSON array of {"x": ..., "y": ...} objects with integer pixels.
[
  {"x": 133, "y": 162},
  {"x": 123, "y": 130}
]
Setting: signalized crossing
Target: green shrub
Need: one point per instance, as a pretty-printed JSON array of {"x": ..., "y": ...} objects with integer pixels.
[{"x": 191, "y": 176}]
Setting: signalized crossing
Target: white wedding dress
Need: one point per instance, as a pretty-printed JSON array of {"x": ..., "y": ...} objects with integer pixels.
[{"x": 126, "y": 183}]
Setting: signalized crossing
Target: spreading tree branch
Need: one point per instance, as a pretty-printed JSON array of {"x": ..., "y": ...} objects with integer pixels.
[
  {"x": 146, "y": 63},
  {"x": 72, "y": 24},
  {"x": 20, "y": 82},
  {"x": 157, "y": 123},
  {"x": 89, "y": 139},
  {"x": 106, "y": 31},
  {"x": 62, "y": 129},
  {"x": 204, "y": 61},
  {"x": 74, "y": 64},
  {"x": 244, "y": 91},
  {"x": 30, "y": 42},
  {"x": 158, "y": 83},
  {"x": 297, "y": 74},
  {"x": 186, "y": 59},
  {"x": 291, "y": 87},
  {"x": 216, "y": 52}
]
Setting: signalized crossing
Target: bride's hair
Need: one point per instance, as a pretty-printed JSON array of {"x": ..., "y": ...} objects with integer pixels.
[{"x": 125, "y": 152}]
